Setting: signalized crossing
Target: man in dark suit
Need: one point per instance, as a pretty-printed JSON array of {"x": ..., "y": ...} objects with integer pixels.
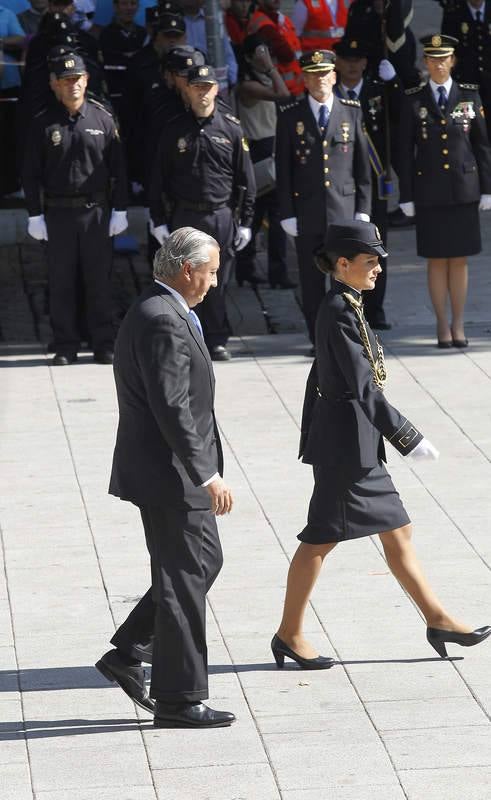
[
  {"x": 168, "y": 461},
  {"x": 322, "y": 168}
]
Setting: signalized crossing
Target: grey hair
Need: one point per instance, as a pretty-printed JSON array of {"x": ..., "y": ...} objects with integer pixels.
[{"x": 184, "y": 244}]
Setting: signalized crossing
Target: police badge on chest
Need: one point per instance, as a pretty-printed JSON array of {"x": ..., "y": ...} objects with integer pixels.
[{"x": 56, "y": 137}]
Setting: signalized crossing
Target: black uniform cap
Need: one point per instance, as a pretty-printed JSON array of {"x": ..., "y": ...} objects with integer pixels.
[
  {"x": 67, "y": 64},
  {"x": 180, "y": 59},
  {"x": 351, "y": 48},
  {"x": 438, "y": 45},
  {"x": 203, "y": 74},
  {"x": 171, "y": 23},
  {"x": 317, "y": 61},
  {"x": 361, "y": 237}
]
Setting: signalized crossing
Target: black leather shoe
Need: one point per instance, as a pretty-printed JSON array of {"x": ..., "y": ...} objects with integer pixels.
[
  {"x": 104, "y": 357},
  {"x": 130, "y": 679},
  {"x": 444, "y": 345},
  {"x": 460, "y": 343},
  {"x": 64, "y": 359},
  {"x": 437, "y": 638},
  {"x": 398, "y": 219},
  {"x": 190, "y": 715},
  {"x": 280, "y": 650},
  {"x": 220, "y": 353}
]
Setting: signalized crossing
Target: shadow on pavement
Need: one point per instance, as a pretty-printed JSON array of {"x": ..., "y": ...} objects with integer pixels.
[{"x": 48, "y": 729}]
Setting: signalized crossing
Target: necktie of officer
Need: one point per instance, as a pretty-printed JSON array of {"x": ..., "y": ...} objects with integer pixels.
[
  {"x": 352, "y": 94},
  {"x": 196, "y": 322},
  {"x": 323, "y": 119},
  {"x": 478, "y": 17},
  {"x": 442, "y": 100}
]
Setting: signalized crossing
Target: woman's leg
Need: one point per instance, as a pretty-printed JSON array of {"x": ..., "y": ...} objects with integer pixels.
[
  {"x": 457, "y": 285},
  {"x": 405, "y": 566},
  {"x": 438, "y": 280},
  {"x": 302, "y": 575}
]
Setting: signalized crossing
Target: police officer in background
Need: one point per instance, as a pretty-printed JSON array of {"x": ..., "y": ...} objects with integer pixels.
[
  {"x": 354, "y": 84},
  {"x": 322, "y": 169},
  {"x": 74, "y": 158},
  {"x": 203, "y": 177}
]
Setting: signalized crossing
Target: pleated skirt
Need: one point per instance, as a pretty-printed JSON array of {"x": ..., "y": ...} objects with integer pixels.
[{"x": 448, "y": 231}]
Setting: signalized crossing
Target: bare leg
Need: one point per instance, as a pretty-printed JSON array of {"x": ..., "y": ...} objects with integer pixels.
[
  {"x": 457, "y": 284},
  {"x": 405, "y": 566},
  {"x": 302, "y": 575},
  {"x": 438, "y": 271}
]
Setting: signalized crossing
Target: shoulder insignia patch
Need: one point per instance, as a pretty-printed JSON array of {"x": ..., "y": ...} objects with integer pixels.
[
  {"x": 354, "y": 103},
  {"x": 283, "y": 107},
  {"x": 472, "y": 86},
  {"x": 232, "y": 118},
  {"x": 415, "y": 89}
]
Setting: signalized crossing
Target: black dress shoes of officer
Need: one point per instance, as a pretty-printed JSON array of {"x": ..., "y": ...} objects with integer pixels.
[
  {"x": 190, "y": 715},
  {"x": 398, "y": 219},
  {"x": 131, "y": 678},
  {"x": 220, "y": 353},
  {"x": 437, "y": 638},
  {"x": 64, "y": 359},
  {"x": 280, "y": 650},
  {"x": 104, "y": 357}
]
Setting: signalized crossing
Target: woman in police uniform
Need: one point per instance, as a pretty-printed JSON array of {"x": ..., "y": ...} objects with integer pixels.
[
  {"x": 345, "y": 418},
  {"x": 445, "y": 178}
]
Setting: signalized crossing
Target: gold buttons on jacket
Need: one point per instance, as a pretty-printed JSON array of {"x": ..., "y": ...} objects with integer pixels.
[
  {"x": 443, "y": 122},
  {"x": 327, "y": 183},
  {"x": 325, "y": 156},
  {"x": 444, "y": 135},
  {"x": 446, "y": 166},
  {"x": 445, "y": 152},
  {"x": 326, "y": 169}
]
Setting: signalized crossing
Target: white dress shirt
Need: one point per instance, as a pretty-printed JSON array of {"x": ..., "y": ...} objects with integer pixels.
[
  {"x": 481, "y": 10},
  {"x": 356, "y": 89},
  {"x": 436, "y": 86}
]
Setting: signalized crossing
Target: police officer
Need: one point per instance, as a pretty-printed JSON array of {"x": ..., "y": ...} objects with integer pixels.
[
  {"x": 322, "y": 169},
  {"x": 353, "y": 84},
  {"x": 445, "y": 177},
  {"x": 203, "y": 177},
  {"x": 74, "y": 158}
]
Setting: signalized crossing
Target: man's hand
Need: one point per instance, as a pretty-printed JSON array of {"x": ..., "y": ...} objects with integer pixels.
[
  {"x": 221, "y": 497},
  {"x": 408, "y": 209},
  {"x": 36, "y": 227},
  {"x": 485, "y": 203},
  {"x": 118, "y": 222},
  {"x": 161, "y": 232},
  {"x": 290, "y": 226}
]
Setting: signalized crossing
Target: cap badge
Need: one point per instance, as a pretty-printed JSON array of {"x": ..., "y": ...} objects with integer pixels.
[
  {"x": 56, "y": 137},
  {"x": 316, "y": 57},
  {"x": 173, "y": 23},
  {"x": 300, "y": 128},
  {"x": 203, "y": 72},
  {"x": 182, "y": 145},
  {"x": 189, "y": 62},
  {"x": 354, "y": 44},
  {"x": 69, "y": 64},
  {"x": 436, "y": 41},
  {"x": 378, "y": 233}
]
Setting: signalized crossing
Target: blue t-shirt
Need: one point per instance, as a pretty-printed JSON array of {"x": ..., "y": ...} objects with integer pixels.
[{"x": 9, "y": 26}]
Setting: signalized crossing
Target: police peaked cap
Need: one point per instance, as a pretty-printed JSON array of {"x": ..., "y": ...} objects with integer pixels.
[
  {"x": 202, "y": 74},
  {"x": 351, "y": 48},
  {"x": 438, "y": 45},
  {"x": 180, "y": 59},
  {"x": 317, "y": 61}
]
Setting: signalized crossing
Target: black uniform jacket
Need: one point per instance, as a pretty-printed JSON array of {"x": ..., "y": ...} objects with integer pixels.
[
  {"x": 445, "y": 158},
  {"x": 345, "y": 414},
  {"x": 167, "y": 442},
  {"x": 72, "y": 157},
  {"x": 202, "y": 160},
  {"x": 322, "y": 180},
  {"x": 473, "y": 53}
]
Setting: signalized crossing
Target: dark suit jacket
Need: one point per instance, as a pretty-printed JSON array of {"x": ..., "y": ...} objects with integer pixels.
[
  {"x": 167, "y": 442},
  {"x": 473, "y": 52},
  {"x": 318, "y": 181},
  {"x": 345, "y": 414}
]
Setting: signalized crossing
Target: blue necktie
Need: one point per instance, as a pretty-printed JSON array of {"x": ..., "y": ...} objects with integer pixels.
[
  {"x": 196, "y": 322},
  {"x": 352, "y": 94},
  {"x": 323, "y": 118},
  {"x": 442, "y": 100}
]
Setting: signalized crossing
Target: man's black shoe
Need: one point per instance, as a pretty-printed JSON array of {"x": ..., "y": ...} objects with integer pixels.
[
  {"x": 190, "y": 715},
  {"x": 104, "y": 357},
  {"x": 130, "y": 679},
  {"x": 398, "y": 219},
  {"x": 64, "y": 359},
  {"x": 220, "y": 353}
]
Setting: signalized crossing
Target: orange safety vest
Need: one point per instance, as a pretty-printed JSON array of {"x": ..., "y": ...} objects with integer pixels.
[
  {"x": 321, "y": 29},
  {"x": 290, "y": 72}
]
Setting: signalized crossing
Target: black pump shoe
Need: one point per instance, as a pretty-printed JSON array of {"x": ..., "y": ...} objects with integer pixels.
[
  {"x": 437, "y": 638},
  {"x": 280, "y": 650}
]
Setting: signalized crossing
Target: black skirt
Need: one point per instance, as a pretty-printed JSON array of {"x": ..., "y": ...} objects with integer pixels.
[
  {"x": 351, "y": 506},
  {"x": 448, "y": 231}
]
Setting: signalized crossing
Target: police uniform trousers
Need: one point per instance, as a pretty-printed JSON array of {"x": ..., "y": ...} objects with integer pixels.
[
  {"x": 219, "y": 224},
  {"x": 9, "y": 151},
  {"x": 79, "y": 238},
  {"x": 312, "y": 280},
  {"x": 186, "y": 557},
  {"x": 265, "y": 207},
  {"x": 373, "y": 300},
  {"x": 451, "y": 231},
  {"x": 350, "y": 504}
]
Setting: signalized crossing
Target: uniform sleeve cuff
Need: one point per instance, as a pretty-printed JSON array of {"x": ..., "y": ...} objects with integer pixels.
[{"x": 405, "y": 438}]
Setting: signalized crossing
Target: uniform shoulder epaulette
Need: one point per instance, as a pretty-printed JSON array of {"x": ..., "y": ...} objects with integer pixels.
[
  {"x": 472, "y": 86},
  {"x": 354, "y": 103},
  {"x": 99, "y": 105},
  {"x": 285, "y": 106},
  {"x": 415, "y": 89},
  {"x": 232, "y": 118}
]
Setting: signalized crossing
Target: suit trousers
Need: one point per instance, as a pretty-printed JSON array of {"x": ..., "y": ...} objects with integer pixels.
[
  {"x": 374, "y": 300},
  {"x": 312, "y": 280},
  {"x": 186, "y": 557}
]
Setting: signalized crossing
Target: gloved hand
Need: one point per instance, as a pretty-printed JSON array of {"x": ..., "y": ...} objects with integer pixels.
[
  {"x": 118, "y": 222},
  {"x": 36, "y": 227},
  {"x": 424, "y": 451},
  {"x": 485, "y": 202},
  {"x": 408, "y": 209},
  {"x": 290, "y": 226},
  {"x": 361, "y": 217},
  {"x": 386, "y": 71},
  {"x": 242, "y": 238},
  {"x": 136, "y": 187},
  {"x": 160, "y": 233}
]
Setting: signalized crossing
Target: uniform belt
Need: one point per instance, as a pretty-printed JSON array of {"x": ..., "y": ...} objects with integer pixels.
[
  {"x": 343, "y": 396},
  {"x": 76, "y": 201},
  {"x": 204, "y": 206}
]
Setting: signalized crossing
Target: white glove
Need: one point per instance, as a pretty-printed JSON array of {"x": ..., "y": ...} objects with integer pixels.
[
  {"x": 408, "y": 209},
  {"x": 136, "y": 187},
  {"x": 485, "y": 202},
  {"x": 118, "y": 222},
  {"x": 385, "y": 70},
  {"x": 424, "y": 451},
  {"x": 290, "y": 226},
  {"x": 361, "y": 217},
  {"x": 160, "y": 233},
  {"x": 36, "y": 227},
  {"x": 242, "y": 238}
]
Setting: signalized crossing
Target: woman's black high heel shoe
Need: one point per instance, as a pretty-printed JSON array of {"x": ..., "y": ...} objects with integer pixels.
[
  {"x": 437, "y": 638},
  {"x": 280, "y": 650}
]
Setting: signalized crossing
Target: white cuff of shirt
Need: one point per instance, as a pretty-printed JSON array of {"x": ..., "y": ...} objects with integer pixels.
[{"x": 210, "y": 480}]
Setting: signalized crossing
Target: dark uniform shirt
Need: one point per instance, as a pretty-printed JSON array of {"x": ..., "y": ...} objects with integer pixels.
[
  {"x": 78, "y": 156},
  {"x": 202, "y": 161},
  {"x": 143, "y": 87},
  {"x": 118, "y": 46},
  {"x": 445, "y": 157},
  {"x": 473, "y": 53},
  {"x": 322, "y": 180}
]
